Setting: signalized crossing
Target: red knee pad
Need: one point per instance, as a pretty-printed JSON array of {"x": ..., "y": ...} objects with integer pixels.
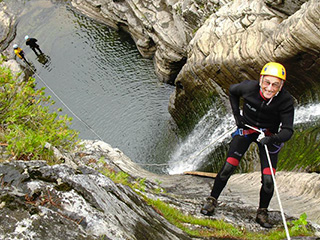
[
  {"x": 267, "y": 171},
  {"x": 233, "y": 161}
]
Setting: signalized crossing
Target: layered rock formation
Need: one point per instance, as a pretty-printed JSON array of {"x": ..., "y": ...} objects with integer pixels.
[
  {"x": 38, "y": 201},
  {"x": 161, "y": 28},
  {"x": 7, "y": 26},
  {"x": 221, "y": 42},
  {"x": 236, "y": 41}
]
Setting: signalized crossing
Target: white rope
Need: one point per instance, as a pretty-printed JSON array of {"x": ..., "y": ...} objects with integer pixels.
[
  {"x": 277, "y": 193},
  {"x": 167, "y": 164},
  {"x": 64, "y": 104},
  {"x": 153, "y": 164},
  {"x": 216, "y": 140},
  {"x": 274, "y": 181},
  {"x": 143, "y": 164},
  {"x": 73, "y": 113}
]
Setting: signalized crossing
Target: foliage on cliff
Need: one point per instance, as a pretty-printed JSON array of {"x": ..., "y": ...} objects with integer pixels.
[
  {"x": 302, "y": 152},
  {"x": 202, "y": 227},
  {"x": 26, "y": 121}
]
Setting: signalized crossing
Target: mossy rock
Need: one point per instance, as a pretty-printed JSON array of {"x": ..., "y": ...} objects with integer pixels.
[{"x": 302, "y": 151}]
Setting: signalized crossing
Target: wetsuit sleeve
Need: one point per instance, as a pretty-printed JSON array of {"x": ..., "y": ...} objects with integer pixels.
[
  {"x": 287, "y": 117},
  {"x": 234, "y": 98}
]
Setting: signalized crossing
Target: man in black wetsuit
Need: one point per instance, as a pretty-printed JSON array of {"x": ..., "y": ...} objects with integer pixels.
[
  {"x": 268, "y": 107},
  {"x": 32, "y": 43}
]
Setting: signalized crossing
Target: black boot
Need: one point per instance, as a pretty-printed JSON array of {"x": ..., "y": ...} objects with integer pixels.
[
  {"x": 209, "y": 206},
  {"x": 262, "y": 218}
]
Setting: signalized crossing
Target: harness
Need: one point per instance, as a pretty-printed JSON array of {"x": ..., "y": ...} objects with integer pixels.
[{"x": 246, "y": 132}]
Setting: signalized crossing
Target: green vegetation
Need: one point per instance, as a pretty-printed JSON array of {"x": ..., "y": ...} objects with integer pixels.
[
  {"x": 179, "y": 9},
  {"x": 220, "y": 229},
  {"x": 27, "y": 125},
  {"x": 26, "y": 122},
  {"x": 299, "y": 225},
  {"x": 205, "y": 227},
  {"x": 302, "y": 151}
]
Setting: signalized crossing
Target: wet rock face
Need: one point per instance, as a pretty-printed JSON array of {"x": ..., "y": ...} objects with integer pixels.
[
  {"x": 161, "y": 29},
  {"x": 7, "y": 21},
  {"x": 218, "y": 43},
  {"x": 235, "y": 43},
  {"x": 47, "y": 202}
]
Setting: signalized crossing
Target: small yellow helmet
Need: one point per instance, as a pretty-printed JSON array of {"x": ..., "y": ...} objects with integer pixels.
[{"x": 274, "y": 69}]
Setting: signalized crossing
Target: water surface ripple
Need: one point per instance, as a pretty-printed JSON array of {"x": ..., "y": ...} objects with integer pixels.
[{"x": 100, "y": 76}]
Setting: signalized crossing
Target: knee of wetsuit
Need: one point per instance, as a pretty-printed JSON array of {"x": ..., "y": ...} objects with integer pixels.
[
  {"x": 267, "y": 183},
  {"x": 227, "y": 171}
]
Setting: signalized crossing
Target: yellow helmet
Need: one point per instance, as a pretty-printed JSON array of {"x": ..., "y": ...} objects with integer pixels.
[{"x": 274, "y": 69}]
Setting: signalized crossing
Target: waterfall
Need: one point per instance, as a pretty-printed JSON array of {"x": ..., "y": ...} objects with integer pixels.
[
  {"x": 211, "y": 130},
  {"x": 309, "y": 113},
  {"x": 214, "y": 129}
]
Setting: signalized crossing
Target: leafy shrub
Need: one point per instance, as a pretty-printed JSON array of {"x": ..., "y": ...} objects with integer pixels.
[{"x": 27, "y": 123}]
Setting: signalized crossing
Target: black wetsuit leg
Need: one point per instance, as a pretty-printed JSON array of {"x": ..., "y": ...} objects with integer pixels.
[
  {"x": 34, "y": 49},
  {"x": 238, "y": 147},
  {"x": 38, "y": 48},
  {"x": 267, "y": 188}
]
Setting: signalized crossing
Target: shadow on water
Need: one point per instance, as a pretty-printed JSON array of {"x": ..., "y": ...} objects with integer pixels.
[{"x": 45, "y": 61}]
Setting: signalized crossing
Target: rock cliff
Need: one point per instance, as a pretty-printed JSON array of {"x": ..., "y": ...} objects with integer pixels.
[
  {"x": 77, "y": 201},
  {"x": 38, "y": 201},
  {"x": 236, "y": 41},
  {"x": 7, "y": 26},
  {"x": 218, "y": 43},
  {"x": 161, "y": 29}
]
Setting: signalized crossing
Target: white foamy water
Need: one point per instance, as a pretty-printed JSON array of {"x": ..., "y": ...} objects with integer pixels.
[
  {"x": 213, "y": 129},
  {"x": 307, "y": 113}
]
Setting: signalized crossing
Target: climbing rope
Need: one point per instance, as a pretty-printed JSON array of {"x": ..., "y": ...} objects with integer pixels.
[
  {"x": 100, "y": 138},
  {"x": 75, "y": 115},
  {"x": 64, "y": 104},
  {"x": 153, "y": 164},
  {"x": 274, "y": 180},
  {"x": 216, "y": 140},
  {"x": 192, "y": 156}
]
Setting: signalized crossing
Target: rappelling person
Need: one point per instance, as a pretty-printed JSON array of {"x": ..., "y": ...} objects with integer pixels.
[
  {"x": 267, "y": 106},
  {"x": 32, "y": 43},
  {"x": 19, "y": 52}
]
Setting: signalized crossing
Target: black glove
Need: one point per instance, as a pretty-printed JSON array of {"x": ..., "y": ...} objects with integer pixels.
[
  {"x": 267, "y": 140},
  {"x": 239, "y": 121}
]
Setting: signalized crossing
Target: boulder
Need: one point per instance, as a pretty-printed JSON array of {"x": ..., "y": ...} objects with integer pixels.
[{"x": 47, "y": 202}]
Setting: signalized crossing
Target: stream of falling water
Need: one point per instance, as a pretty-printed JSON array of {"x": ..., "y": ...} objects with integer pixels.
[{"x": 213, "y": 130}]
